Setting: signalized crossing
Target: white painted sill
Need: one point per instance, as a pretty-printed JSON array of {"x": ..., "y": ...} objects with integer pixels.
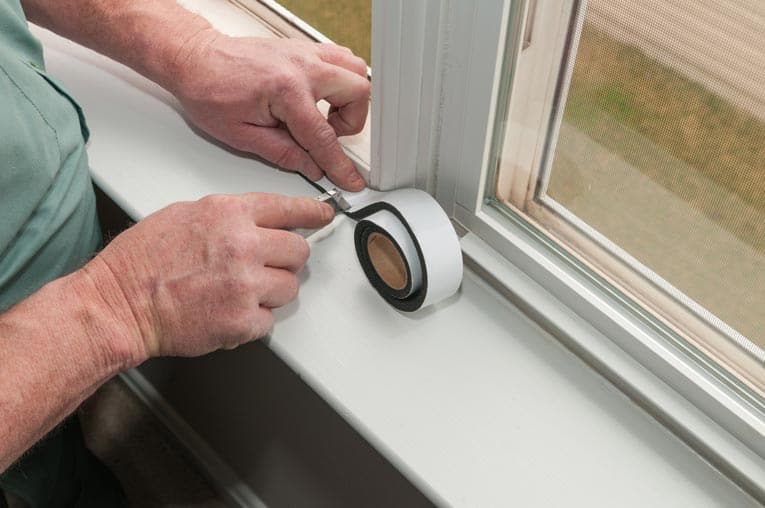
[{"x": 475, "y": 403}]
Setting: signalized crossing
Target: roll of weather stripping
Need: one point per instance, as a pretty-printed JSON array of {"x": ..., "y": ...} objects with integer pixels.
[{"x": 405, "y": 243}]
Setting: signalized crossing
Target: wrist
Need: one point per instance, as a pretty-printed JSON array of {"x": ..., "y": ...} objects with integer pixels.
[
  {"x": 184, "y": 66},
  {"x": 115, "y": 330},
  {"x": 154, "y": 38},
  {"x": 165, "y": 58}
]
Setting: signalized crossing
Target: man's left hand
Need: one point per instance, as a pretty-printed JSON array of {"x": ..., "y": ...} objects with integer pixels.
[{"x": 259, "y": 95}]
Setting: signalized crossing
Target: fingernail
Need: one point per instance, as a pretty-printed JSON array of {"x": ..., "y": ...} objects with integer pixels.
[
  {"x": 357, "y": 182},
  {"x": 327, "y": 212}
]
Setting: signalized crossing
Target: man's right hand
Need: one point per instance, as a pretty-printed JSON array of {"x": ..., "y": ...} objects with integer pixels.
[
  {"x": 199, "y": 276},
  {"x": 187, "y": 280}
]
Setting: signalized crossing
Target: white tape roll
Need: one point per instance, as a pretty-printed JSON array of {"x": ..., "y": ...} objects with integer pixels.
[{"x": 406, "y": 245}]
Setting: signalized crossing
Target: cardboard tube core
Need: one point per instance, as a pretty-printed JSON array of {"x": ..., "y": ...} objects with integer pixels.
[{"x": 387, "y": 260}]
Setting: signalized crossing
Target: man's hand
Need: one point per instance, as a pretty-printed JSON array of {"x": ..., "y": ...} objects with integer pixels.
[
  {"x": 198, "y": 276},
  {"x": 192, "y": 277},
  {"x": 259, "y": 95},
  {"x": 189, "y": 279}
]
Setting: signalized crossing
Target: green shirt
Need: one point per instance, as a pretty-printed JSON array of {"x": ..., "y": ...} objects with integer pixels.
[
  {"x": 48, "y": 224},
  {"x": 48, "y": 228}
]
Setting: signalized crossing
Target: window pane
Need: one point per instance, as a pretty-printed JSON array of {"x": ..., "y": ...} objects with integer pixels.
[
  {"x": 346, "y": 22},
  {"x": 636, "y": 137},
  {"x": 662, "y": 145}
]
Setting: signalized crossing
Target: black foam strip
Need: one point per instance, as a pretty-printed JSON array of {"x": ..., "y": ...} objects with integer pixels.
[
  {"x": 363, "y": 230},
  {"x": 407, "y": 304}
]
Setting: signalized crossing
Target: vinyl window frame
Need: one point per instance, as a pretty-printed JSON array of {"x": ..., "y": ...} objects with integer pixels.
[
  {"x": 433, "y": 112},
  {"x": 536, "y": 111},
  {"x": 627, "y": 345}
]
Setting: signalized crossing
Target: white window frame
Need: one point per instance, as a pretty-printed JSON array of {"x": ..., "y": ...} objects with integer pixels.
[
  {"x": 539, "y": 92},
  {"x": 704, "y": 408},
  {"x": 432, "y": 125}
]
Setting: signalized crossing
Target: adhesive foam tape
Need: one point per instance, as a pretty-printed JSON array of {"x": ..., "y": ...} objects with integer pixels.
[{"x": 406, "y": 245}]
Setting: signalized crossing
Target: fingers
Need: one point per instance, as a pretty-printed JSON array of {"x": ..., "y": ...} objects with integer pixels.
[
  {"x": 282, "y": 249},
  {"x": 312, "y": 131},
  {"x": 275, "y": 211},
  {"x": 262, "y": 323},
  {"x": 348, "y": 93},
  {"x": 280, "y": 287},
  {"x": 343, "y": 57},
  {"x": 277, "y": 146},
  {"x": 346, "y": 120},
  {"x": 349, "y": 97}
]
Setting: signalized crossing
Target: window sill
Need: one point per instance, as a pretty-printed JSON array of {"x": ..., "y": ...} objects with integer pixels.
[
  {"x": 621, "y": 350},
  {"x": 472, "y": 401}
]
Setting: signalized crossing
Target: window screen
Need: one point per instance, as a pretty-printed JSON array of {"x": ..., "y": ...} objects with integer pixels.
[{"x": 655, "y": 155}]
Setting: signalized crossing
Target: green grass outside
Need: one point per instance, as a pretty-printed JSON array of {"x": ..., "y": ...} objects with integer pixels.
[
  {"x": 346, "y": 22},
  {"x": 615, "y": 82}
]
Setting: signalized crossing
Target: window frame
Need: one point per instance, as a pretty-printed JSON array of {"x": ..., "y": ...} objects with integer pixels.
[
  {"x": 442, "y": 142},
  {"x": 406, "y": 48},
  {"x": 730, "y": 427},
  {"x": 548, "y": 72}
]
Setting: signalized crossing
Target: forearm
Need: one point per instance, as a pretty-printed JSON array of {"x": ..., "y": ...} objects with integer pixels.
[
  {"x": 56, "y": 348},
  {"x": 149, "y": 36},
  {"x": 170, "y": 285}
]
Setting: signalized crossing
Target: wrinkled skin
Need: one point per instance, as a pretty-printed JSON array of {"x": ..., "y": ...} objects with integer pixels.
[
  {"x": 197, "y": 276},
  {"x": 259, "y": 95}
]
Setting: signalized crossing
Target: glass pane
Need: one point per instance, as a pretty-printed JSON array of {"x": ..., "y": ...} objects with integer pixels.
[
  {"x": 662, "y": 145},
  {"x": 346, "y": 22}
]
